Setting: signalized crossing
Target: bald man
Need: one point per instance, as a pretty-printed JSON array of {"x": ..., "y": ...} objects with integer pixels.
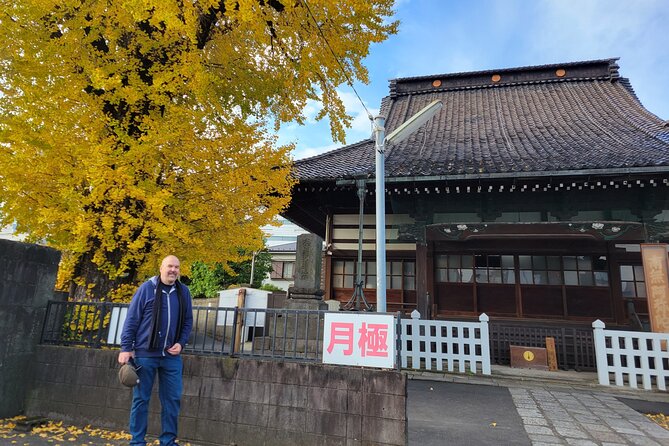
[{"x": 157, "y": 327}]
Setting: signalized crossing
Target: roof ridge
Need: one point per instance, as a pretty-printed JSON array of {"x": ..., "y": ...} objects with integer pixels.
[
  {"x": 506, "y": 84},
  {"x": 611, "y": 61},
  {"x": 604, "y": 69}
]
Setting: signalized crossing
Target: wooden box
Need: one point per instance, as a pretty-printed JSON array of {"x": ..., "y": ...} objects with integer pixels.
[{"x": 529, "y": 357}]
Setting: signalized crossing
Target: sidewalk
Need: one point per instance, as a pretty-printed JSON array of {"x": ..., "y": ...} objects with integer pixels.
[
  {"x": 552, "y": 408},
  {"x": 505, "y": 376}
]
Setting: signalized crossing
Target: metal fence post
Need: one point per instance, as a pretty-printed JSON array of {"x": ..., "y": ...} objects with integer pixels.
[
  {"x": 101, "y": 315},
  {"x": 398, "y": 340},
  {"x": 233, "y": 331},
  {"x": 46, "y": 320}
]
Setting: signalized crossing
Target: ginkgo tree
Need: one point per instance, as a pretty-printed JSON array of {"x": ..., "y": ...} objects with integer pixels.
[{"x": 132, "y": 129}]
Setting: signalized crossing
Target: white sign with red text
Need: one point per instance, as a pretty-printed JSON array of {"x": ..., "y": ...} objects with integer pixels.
[{"x": 360, "y": 339}]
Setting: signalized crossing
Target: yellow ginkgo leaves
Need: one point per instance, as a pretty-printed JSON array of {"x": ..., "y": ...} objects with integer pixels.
[{"x": 131, "y": 130}]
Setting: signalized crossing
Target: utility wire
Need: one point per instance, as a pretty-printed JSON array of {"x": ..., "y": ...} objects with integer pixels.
[{"x": 341, "y": 66}]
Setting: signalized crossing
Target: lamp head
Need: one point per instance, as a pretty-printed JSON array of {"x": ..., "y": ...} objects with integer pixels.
[{"x": 421, "y": 117}]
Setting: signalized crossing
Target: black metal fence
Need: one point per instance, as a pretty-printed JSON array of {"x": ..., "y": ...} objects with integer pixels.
[
  {"x": 574, "y": 346},
  {"x": 265, "y": 333},
  {"x": 276, "y": 333}
]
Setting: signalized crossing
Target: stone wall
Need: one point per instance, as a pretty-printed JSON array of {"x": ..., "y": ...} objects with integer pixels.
[
  {"x": 232, "y": 401},
  {"x": 27, "y": 277}
]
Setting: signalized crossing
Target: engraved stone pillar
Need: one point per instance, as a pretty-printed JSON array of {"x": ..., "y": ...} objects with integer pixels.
[
  {"x": 301, "y": 331},
  {"x": 307, "y": 294}
]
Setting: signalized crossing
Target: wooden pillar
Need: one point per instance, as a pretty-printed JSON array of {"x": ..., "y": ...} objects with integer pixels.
[
  {"x": 431, "y": 291},
  {"x": 656, "y": 274},
  {"x": 241, "y": 315},
  {"x": 617, "y": 300},
  {"x": 421, "y": 280}
]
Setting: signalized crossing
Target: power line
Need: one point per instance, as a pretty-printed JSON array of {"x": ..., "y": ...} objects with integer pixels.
[{"x": 341, "y": 66}]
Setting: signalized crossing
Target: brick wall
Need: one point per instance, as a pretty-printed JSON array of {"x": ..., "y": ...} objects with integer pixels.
[
  {"x": 232, "y": 401},
  {"x": 27, "y": 277}
]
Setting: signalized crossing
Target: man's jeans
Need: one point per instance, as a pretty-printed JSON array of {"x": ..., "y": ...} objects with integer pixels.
[{"x": 169, "y": 389}]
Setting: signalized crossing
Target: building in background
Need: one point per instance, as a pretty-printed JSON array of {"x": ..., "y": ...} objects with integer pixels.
[
  {"x": 281, "y": 243},
  {"x": 526, "y": 197},
  {"x": 283, "y": 265}
]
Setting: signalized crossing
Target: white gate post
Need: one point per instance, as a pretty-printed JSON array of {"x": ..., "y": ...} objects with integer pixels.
[
  {"x": 485, "y": 344},
  {"x": 415, "y": 342},
  {"x": 600, "y": 353}
]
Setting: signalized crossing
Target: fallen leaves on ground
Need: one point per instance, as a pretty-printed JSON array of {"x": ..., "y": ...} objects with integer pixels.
[
  {"x": 59, "y": 432},
  {"x": 660, "y": 418},
  {"x": 7, "y": 427},
  {"x": 56, "y": 432}
]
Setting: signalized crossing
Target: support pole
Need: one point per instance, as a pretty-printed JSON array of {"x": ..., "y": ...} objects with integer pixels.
[
  {"x": 358, "y": 296},
  {"x": 380, "y": 135}
]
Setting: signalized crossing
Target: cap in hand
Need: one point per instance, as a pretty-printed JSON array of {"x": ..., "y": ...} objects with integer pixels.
[{"x": 127, "y": 375}]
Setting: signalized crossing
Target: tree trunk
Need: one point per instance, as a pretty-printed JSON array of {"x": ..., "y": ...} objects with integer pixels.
[{"x": 88, "y": 272}]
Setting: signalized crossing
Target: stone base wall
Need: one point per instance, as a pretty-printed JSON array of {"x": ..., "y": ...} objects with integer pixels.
[
  {"x": 27, "y": 277},
  {"x": 232, "y": 401}
]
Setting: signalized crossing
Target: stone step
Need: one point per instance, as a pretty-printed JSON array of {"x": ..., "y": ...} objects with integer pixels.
[
  {"x": 282, "y": 346},
  {"x": 27, "y": 424}
]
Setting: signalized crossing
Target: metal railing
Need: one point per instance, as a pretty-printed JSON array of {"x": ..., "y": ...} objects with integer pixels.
[
  {"x": 263, "y": 333},
  {"x": 80, "y": 323},
  {"x": 297, "y": 335}
]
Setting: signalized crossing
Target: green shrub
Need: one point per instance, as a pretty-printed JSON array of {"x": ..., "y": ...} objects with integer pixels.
[{"x": 271, "y": 287}]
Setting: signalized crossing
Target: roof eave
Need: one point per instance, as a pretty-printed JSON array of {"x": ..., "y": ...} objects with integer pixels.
[{"x": 502, "y": 175}]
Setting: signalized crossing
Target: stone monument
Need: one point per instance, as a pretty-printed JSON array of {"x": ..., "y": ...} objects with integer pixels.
[
  {"x": 306, "y": 294},
  {"x": 299, "y": 330}
]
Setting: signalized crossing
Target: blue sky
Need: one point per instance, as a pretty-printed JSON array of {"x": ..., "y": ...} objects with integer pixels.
[{"x": 450, "y": 36}]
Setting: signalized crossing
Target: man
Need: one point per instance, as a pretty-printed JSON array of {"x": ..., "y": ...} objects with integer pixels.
[{"x": 157, "y": 327}]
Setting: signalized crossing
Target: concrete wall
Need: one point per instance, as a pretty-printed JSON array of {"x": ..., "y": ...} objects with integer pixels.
[
  {"x": 232, "y": 401},
  {"x": 27, "y": 277}
]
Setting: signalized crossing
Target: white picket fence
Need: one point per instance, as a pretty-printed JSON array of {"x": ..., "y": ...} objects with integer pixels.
[
  {"x": 429, "y": 344},
  {"x": 630, "y": 356}
]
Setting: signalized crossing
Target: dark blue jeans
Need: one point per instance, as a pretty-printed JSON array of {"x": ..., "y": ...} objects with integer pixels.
[{"x": 169, "y": 369}]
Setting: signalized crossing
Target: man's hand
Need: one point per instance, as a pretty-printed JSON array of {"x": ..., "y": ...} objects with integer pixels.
[
  {"x": 124, "y": 357},
  {"x": 175, "y": 349}
]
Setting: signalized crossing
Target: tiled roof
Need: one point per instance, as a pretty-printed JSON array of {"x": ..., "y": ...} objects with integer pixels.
[{"x": 546, "y": 120}]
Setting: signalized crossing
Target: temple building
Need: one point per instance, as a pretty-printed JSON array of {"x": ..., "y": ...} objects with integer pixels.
[{"x": 526, "y": 197}]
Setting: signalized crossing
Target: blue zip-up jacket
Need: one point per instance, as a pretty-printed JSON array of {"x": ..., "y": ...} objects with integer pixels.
[{"x": 137, "y": 329}]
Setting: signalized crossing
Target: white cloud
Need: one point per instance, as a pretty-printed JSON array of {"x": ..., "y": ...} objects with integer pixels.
[
  {"x": 634, "y": 30},
  {"x": 361, "y": 125},
  {"x": 307, "y": 152},
  {"x": 311, "y": 109},
  {"x": 596, "y": 26},
  {"x": 314, "y": 137},
  {"x": 399, "y": 3}
]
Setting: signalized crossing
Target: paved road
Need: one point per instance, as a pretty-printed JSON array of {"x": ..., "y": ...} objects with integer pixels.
[
  {"x": 446, "y": 413},
  {"x": 442, "y": 413}
]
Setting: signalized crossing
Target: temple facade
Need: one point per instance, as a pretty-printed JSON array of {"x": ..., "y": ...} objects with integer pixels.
[{"x": 526, "y": 197}]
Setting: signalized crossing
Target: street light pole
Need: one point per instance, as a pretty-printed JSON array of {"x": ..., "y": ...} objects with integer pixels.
[
  {"x": 380, "y": 136},
  {"x": 380, "y": 140}
]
